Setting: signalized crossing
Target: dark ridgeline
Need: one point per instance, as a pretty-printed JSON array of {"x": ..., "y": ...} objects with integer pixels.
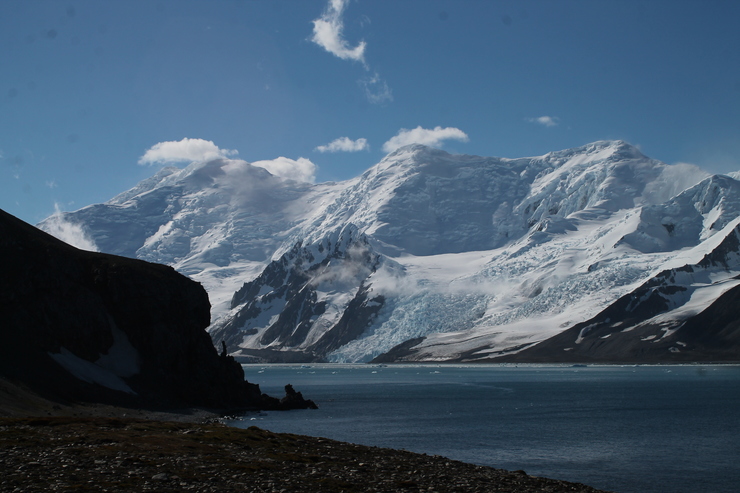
[
  {"x": 293, "y": 278},
  {"x": 58, "y": 300}
]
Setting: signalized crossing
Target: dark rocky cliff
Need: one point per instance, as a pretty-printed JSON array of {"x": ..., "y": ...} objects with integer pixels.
[
  {"x": 282, "y": 308},
  {"x": 78, "y": 325}
]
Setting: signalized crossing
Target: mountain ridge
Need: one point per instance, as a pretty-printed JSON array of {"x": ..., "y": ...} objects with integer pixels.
[{"x": 478, "y": 256}]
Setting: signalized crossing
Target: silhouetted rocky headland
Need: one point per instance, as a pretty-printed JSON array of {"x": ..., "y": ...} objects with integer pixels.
[{"x": 79, "y": 326}]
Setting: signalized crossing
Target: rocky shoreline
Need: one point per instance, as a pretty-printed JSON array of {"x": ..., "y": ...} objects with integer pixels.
[
  {"x": 53, "y": 446},
  {"x": 109, "y": 382},
  {"x": 129, "y": 454}
]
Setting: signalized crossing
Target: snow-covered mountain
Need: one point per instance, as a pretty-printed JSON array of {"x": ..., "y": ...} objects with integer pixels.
[
  {"x": 427, "y": 255},
  {"x": 689, "y": 310},
  {"x": 313, "y": 300}
]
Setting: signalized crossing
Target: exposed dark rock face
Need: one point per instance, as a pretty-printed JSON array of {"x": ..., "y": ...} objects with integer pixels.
[
  {"x": 630, "y": 331},
  {"x": 398, "y": 352},
  {"x": 282, "y": 306},
  {"x": 712, "y": 335},
  {"x": 79, "y": 325},
  {"x": 360, "y": 313},
  {"x": 292, "y": 400}
]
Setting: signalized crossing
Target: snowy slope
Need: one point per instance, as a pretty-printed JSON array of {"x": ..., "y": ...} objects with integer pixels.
[
  {"x": 440, "y": 256},
  {"x": 657, "y": 321},
  {"x": 424, "y": 201},
  {"x": 544, "y": 284},
  {"x": 218, "y": 222}
]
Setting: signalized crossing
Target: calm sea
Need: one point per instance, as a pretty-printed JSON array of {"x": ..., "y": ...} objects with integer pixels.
[{"x": 667, "y": 429}]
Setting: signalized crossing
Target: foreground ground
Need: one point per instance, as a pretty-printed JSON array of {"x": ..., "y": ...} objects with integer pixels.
[
  {"x": 127, "y": 454},
  {"x": 53, "y": 446}
]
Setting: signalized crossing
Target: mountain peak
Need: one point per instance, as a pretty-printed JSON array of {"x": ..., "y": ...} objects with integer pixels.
[
  {"x": 409, "y": 155},
  {"x": 413, "y": 149},
  {"x": 489, "y": 245},
  {"x": 599, "y": 150}
]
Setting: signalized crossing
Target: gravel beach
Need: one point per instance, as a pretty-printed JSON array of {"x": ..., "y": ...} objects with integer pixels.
[{"x": 129, "y": 454}]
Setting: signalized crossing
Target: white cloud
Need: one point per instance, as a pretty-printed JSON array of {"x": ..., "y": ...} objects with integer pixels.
[
  {"x": 51, "y": 183},
  {"x": 299, "y": 170},
  {"x": 548, "y": 121},
  {"x": 185, "y": 150},
  {"x": 345, "y": 144},
  {"x": 327, "y": 33},
  {"x": 376, "y": 89},
  {"x": 68, "y": 232},
  {"x": 431, "y": 137}
]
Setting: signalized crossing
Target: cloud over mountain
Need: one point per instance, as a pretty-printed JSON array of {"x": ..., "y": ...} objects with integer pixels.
[
  {"x": 301, "y": 169},
  {"x": 185, "y": 150},
  {"x": 430, "y": 137}
]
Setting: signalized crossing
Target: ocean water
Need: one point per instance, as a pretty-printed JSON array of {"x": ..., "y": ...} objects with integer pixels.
[{"x": 667, "y": 429}]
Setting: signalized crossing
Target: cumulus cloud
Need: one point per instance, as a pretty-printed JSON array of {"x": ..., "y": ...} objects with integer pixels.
[
  {"x": 71, "y": 233},
  {"x": 430, "y": 137},
  {"x": 548, "y": 121},
  {"x": 185, "y": 150},
  {"x": 299, "y": 170},
  {"x": 327, "y": 33},
  {"x": 345, "y": 144}
]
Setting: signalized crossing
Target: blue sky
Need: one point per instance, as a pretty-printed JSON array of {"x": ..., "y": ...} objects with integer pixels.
[{"x": 96, "y": 95}]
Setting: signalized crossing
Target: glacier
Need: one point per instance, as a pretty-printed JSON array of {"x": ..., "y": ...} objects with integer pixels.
[{"x": 427, "y": 256}]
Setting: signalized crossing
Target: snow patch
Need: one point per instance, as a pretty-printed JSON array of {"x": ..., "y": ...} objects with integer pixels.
[{"x": 90, "y": 372}]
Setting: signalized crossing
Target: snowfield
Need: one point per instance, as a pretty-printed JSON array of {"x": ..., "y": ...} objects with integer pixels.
[{"x": 459, "y": 257}]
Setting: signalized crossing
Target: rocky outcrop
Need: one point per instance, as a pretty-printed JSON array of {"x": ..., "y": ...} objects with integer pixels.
[
  {"x": 309, "y": 302},
  {"x": 86, "y": 326},
  {"x": 292, "y": 400}
]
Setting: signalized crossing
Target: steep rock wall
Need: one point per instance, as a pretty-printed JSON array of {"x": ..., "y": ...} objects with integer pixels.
[{"x": 79, "y": 325}]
